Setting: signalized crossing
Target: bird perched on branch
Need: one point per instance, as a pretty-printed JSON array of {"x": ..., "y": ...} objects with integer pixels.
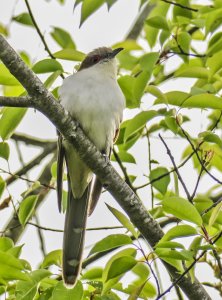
[{"x": 94, "y": 99}]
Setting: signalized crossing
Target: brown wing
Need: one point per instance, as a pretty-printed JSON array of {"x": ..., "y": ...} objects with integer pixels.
[{"x": 60, "y": 165}]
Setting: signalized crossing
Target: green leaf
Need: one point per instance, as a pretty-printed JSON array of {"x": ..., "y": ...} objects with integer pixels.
[
  {"x": 214, "y": 63},
  {"x": 11, "y": 267},
  {"x": 182, "y": 208},
  {"x": 148, "y": 61},
  {"x": 197, "y": 101},
  {"x": 173, "y": 254},
  {"x": 46, "y": 66},
  {"x": 23, "y": 18},
  {"x": 161, "y": 184},
  {"x": 63, "y": 38},
  {"x": 51, "y": 79},
  {"x": 60, "y": 292},
  {"x": 126, "y": 84},
  {"x": 171, "y": 123},
  {"x": 215, "y": 213},
  {"x": 111, "y": 242},
  {"x": 211, "y": 137},
  {"x": 128, "y": 45},
  {"x": 140, "y": 290},
  {"x": 28, "y": 290},
  {"x": 3, "y": 30},
  {"x": 2, "y": 186},
  {"x": 16, "y": 251},
  {"x": 215, "y": 44},
  {"x": 124, "y": 157},
  {"x": 138, "y": 122},
  {"x": 69, "y": 54},
  {"x": 88, "y": 8},
  {"x": 109, "y": 284},
  {"x": 10, "y": 119},
  {"x": 155, "y": 91},
  {"x": 5, "y": 243},
  {"x": 192, "y": 72},
  {"x": 26, "y": 208},
  {"x": 140, "y": 83},
  {"x": 6, "y": 78},
  {"x": 178, "y": 232},
  {"x": 141, "y": 270},
  {"x": 93, "y": 273},
  {"x": 169, "y": 244},
  {"x": 158, "y": 22},
  {"x": 123, "y": 220},
  {"x": 52, "y": 258},
  {"x": 120, "y": 266},
  {"x": 4, "y": 150},
  {"x": 184, "y": 40}
]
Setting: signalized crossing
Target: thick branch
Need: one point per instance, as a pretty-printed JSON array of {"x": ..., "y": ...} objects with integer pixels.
[
  {"x": 45, "y": 102},
  {"x": 138, "y": 25},
  {"x": 15, "y": 101}
]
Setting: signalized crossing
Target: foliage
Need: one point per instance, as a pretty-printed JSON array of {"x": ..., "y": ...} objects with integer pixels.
[{"x": 184, "y": 41}]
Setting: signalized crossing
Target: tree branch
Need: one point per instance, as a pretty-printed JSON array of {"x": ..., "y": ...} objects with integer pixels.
[
  {"x": 30, "y": 140},
  {"x": 138, "y": 25},
  {"x": 15, "y": 101},
  {"x": 44, "y": 101}
]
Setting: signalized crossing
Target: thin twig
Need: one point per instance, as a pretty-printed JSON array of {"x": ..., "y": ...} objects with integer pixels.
[
  {"x": 197, "y": 155},
  {"x": 25, "y": 179},
  {"x": 41, "y": 237},
  {"x": 38, "y": 30},
  {"x": 176, "y": 169},
  {"x": 166, "y": 174},
  {"x": 187, "y": 54},
  {"x": 88, "y": 229},
  {"x": 175, "y": 282},
  {"x": 39, "y": 33},
  {"x": 127, "y": 179},
  {"x": 197, "y": 183},
  {"x": 151, "y": 269},
  {"x": 180, "y": 5},
  {"x": 212, "y": 206}
]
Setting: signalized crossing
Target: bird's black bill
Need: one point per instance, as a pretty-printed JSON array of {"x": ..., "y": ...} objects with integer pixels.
[{"x": 116, "y": 51}]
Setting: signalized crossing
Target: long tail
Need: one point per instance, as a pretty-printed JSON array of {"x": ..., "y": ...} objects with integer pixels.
[{"x": 74, "y": 234}]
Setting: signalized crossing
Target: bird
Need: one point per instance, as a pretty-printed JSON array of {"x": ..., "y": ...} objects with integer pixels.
[{"x": 93, "y": 98}]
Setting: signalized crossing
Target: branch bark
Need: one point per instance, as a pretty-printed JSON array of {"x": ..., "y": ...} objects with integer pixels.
[{"x": 42, "y": 100}]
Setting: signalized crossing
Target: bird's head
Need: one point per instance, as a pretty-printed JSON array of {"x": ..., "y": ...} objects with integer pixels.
[{"x": 104, "y": 57}]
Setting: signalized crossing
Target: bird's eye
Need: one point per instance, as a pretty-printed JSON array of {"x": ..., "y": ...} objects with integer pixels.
[{"x": 96, "y": 58}]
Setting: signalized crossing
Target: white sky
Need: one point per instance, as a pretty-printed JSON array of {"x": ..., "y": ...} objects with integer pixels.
[{"x": 100, "y": 29}]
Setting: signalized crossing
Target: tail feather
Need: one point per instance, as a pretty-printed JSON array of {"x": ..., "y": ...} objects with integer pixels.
[
  {"x": 95, "y": 194},
  {"x": 74, "y": 235}
]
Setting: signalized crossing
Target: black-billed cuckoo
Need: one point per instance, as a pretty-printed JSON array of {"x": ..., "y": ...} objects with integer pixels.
[{"x": 92, "y": 97}]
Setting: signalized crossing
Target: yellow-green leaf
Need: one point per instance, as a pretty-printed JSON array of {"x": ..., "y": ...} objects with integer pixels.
[
  {"x": 69, "y": 54},
  {"x": 26, "y": 208},
  {"x": 182, "y": 208},
  {"x": 46, "y": 66}
]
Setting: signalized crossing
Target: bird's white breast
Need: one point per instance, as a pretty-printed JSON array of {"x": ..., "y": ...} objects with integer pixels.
[{"x": 93, "y": 97}]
